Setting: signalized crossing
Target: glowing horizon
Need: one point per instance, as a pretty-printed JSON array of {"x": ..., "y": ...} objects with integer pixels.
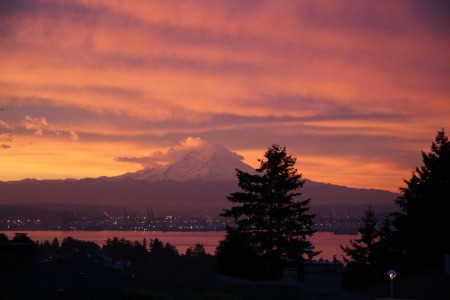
[{"x": 354, "y": 89}]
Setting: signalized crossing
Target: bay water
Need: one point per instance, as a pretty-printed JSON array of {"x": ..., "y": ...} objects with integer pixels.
[{"x": 327, "y": 242}]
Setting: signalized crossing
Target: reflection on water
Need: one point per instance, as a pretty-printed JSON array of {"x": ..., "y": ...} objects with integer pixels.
[{"x": 327, "y": 242}]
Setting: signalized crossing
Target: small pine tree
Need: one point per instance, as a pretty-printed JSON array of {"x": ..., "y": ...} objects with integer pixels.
[
  {"x": 363, "y": 255},
  {"x": 361, "y": 250}
]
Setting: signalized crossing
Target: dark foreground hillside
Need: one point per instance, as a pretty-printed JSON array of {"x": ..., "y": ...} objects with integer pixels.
[
  {"x": 83, "y": 279},
  {"x": 432, "y": 284},
  {"x": 66, "y": 279}
]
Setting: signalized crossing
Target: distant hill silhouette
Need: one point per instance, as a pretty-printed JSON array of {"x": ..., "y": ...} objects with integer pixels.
[{"x": 201, "y": 179}]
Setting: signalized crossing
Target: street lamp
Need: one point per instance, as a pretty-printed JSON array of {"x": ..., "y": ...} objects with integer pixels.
[{"x": 392, "y": 274}]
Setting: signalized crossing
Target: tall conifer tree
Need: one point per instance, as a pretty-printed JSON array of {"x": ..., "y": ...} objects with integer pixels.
[
  {"x": 272, "y": 224},
  {"x": 424, "y": 224}
]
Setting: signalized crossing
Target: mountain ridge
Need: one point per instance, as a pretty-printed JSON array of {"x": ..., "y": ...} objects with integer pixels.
[{"x": 202, "y": 177}]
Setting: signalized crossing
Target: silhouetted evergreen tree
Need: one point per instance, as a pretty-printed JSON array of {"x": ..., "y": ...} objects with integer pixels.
[
  {"x": 362, "y": 250},
  {"x": 423, "y": 227},
  {"x": 73, "y": 248},
  {"x": 158, "y": 249},
  {"x": 387, "y": 250},
  {"x": 3, "y": 238},
  {"x": 364, "y": 253},
  {"x": 22, "y": 238},
  {"x": 272, "y": 224},
  {"x": 236, "y": 256},
  {"x": 55, "y": 243},
  {"x": 197, "y": 251},
  {"x": 119, "y": 249}
]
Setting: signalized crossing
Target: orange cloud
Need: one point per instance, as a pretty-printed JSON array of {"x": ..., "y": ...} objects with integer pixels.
[
  {"x": 37, "y": 125},
  {"x": 138, "y": 75}
]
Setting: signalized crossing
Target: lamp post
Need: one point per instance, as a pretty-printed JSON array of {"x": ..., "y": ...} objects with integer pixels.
[{"x": 392, "y": 274}]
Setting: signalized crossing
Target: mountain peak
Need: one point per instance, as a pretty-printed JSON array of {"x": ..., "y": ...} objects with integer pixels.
[{"x": 205, "y": 161}]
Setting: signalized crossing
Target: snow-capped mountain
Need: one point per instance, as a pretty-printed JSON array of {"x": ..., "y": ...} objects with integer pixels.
[
  {"x": 196, "y": 175},
  {"x": 210, "y": 162}
]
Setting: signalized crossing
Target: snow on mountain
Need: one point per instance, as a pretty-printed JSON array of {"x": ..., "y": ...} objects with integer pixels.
[
  {"x": 194, "y": 175},
  {"x": 209, "y": 162}
]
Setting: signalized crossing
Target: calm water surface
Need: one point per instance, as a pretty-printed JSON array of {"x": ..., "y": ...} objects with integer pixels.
[{"x": 327, "y": 242}]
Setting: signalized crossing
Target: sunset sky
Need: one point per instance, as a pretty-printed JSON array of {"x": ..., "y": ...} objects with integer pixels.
[{"x": 353, "y": 89}]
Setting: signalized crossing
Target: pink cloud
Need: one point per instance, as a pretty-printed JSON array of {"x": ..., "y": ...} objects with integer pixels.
[
  {"x": 3, "y": 124},
  {"x": 248, "y": 72},
  {"x": 74, "y": 136},
  {"x": 6, "y": 137},
  {"x": 35, "y": 124}
]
